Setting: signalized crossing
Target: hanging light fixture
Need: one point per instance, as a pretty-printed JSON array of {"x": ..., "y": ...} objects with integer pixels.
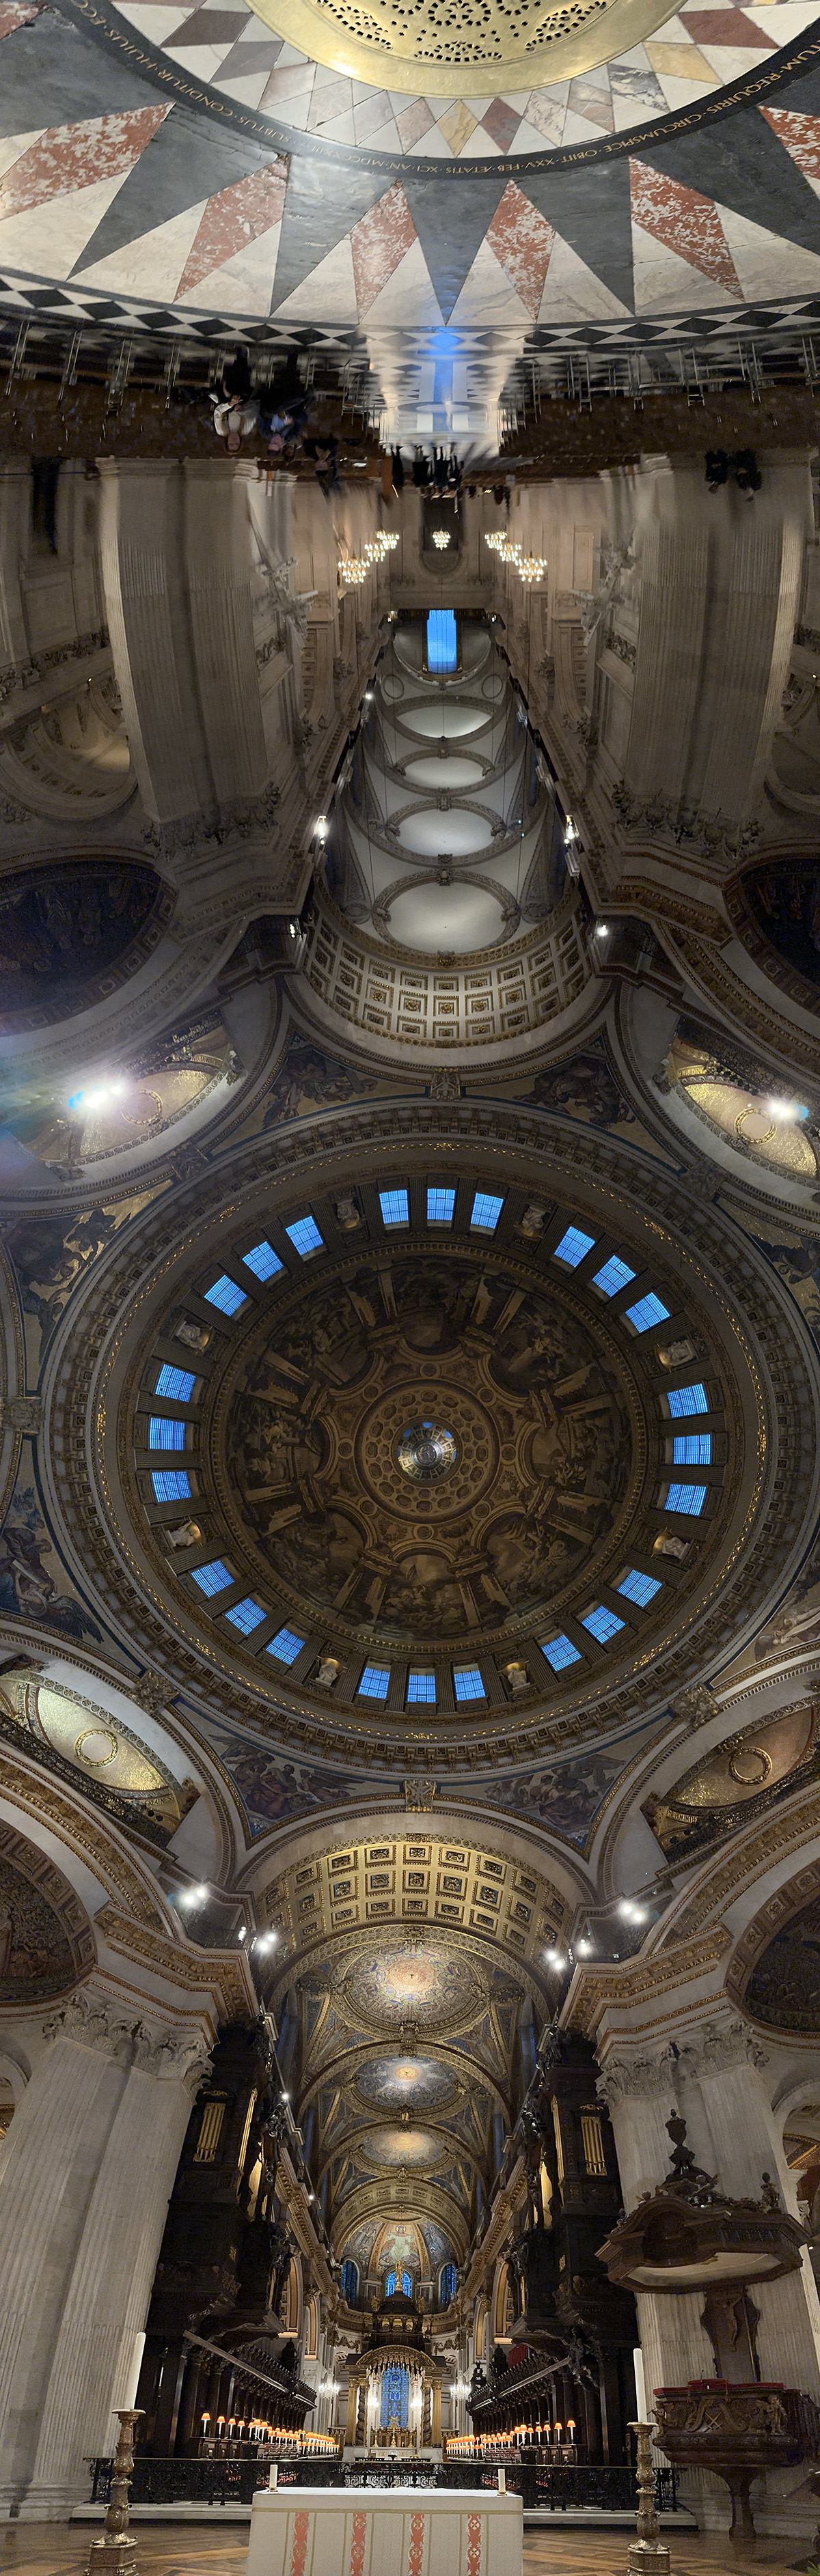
[
  {"x": 354, "y": 569},
  {"x": 528, "y": 567}
]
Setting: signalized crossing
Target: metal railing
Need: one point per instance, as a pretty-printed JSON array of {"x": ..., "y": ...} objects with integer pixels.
[{"x": 540, "y": 2485}]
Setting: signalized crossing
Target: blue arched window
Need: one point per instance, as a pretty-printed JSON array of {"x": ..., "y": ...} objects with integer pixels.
[
  {"x": 350, "y": 2283},
  {"x": 396, "y": 2281},
  {"x": 447, "y": 2284},
  {"x": 395, "y": 2394}
]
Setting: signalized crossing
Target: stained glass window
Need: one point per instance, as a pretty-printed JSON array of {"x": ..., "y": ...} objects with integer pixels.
[{"x": 395, "y": 2392}]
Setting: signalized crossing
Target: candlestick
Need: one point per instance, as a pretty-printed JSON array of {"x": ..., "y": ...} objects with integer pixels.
[{"x": 113, "y": 2552}]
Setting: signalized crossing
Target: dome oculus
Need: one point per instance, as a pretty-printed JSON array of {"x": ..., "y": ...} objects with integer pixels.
[{"x": 533, "y": 1517}]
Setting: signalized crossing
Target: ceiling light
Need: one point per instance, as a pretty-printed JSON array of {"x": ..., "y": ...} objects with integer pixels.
[
  {"x": 630, "y": 1912},
  {"x": 284, "y": 2097},
  {"x": 440, "y": 539},
  {"x": 583, "y": 1948},
  {"x": 602, "y": 930},
  {"x": 241, "y": 1932}
]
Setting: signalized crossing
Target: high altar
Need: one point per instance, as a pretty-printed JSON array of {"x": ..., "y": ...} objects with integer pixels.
[
  {"x": 394, "y": 2393},
  {"x": 367, "y": 2531}
]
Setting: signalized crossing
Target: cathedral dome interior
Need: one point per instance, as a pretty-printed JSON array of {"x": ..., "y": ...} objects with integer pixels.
[{"x": 409, "y": 1284}]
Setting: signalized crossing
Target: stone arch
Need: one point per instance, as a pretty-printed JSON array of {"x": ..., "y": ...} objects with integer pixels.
[
  {"x": 71, "y": 760},
  {"x": 766, "y": 1956},
  {"x": 47, "y": 1945}
]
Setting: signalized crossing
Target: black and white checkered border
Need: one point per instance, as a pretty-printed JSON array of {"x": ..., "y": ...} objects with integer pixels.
[{"x": 73, "y": 305}]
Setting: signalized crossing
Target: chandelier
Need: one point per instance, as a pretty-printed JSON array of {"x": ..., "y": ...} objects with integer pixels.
[
  {"x": 441, "y": 538},
  {"x": 528, "y": 567},
  {"x": 354, "y": 569}
]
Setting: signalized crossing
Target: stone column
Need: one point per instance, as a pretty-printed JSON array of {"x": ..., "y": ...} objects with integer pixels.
[
  {"x": 640, "y": 2092},
  {"x": 176, "y": 559},
  {"x": 716, "y": 2077},
  {"x": 731, "y": 2125},
  {"x": 87, "y": 2169}
]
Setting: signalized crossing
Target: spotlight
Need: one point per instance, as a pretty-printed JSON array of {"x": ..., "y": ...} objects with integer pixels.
[
  {"x": 602, "y": 930},
  {"x": 97, "y": 1097}
]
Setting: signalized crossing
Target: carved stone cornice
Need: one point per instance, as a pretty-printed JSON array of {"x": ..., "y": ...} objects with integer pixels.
[
  {"x": 225, "y": 1972},
  {"x": 706, "y": 2052},
  {"x": 623, "y": 1984},
  {"x": 31, "y": 673}
]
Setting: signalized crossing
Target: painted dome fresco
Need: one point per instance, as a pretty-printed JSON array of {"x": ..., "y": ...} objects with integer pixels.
[{"x": 407, "y": 1983}]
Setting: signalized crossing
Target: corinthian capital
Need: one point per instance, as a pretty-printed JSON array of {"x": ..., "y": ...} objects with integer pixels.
[
  {"x": 635, "y": 2078},
  {"x": 721, "y": 2045},
  {"x": 91, "y": 2019},
  {"x": 94, "y": 2022}
]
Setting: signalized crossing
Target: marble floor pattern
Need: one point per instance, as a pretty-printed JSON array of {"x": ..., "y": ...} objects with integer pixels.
[
  {"x": 109, "y": 182},
  {"x": 51, "y": 2549},
  {"x": 690, "y": 58}
]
